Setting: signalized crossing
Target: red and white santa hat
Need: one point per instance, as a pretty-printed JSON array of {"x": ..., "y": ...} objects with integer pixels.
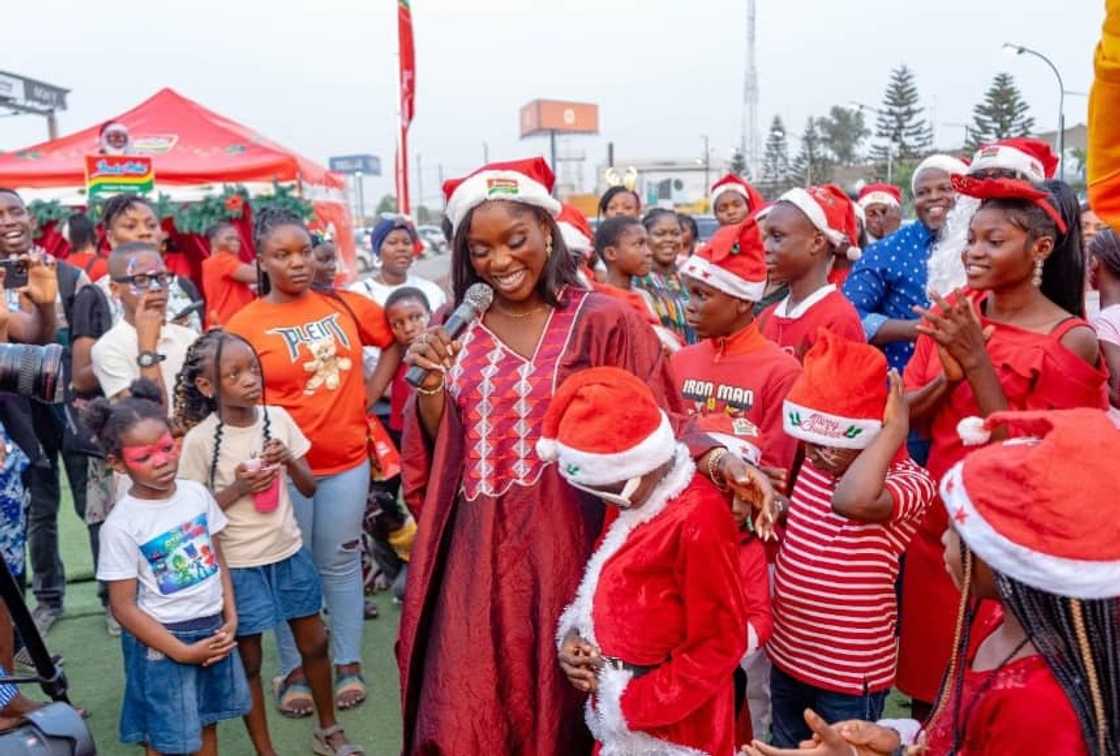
[
  {"x": 1041, "y": 507},
  {"x": 879, "y": 194},
  {"x": 604, "y": 426},
  {"x": 575, "y": 230},
  {"x": 1031, "y": 158},
  {"x": 732, "y": 261},
  {"x": 738, "y": 435},
  {"x": 733, "y": 183},
  {"x": 840, "y": 396},
  {"x": 526, "y": 181},
  {"x": 829, "y": 209}
]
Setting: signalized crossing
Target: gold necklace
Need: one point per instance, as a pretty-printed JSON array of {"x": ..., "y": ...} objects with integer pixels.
[{"x": 525, "y": 314}]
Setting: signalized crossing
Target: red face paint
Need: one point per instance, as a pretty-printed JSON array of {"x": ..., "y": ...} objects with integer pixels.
[{"x": 156, "y": 455}]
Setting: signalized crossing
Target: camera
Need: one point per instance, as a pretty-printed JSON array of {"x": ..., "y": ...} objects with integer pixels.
[{"x": 32, "y": 371}]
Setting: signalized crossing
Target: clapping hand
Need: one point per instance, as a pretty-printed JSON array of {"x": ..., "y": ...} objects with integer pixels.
[{"x": 956, "y": 329}]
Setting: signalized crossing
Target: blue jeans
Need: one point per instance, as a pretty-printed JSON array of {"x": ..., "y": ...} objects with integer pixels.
[
  {"x": 331, "y": 524},
  {"x": 789, "y": 698}
]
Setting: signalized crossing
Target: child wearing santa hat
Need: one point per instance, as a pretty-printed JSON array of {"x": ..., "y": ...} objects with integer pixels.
[
  {"x": 733, "y": 199},
  {"x": 856, "y": 501},
  {"x": 657, "y": 624},
  {"x": 805, "y": 230},
  {"x": 735, "y": 380},
  {"x": 882, "y": 209},
  {"x": 1034, "y": 524}
]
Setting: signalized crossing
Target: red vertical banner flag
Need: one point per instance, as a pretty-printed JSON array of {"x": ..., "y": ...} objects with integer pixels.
[{"x": 407, "y": 55}]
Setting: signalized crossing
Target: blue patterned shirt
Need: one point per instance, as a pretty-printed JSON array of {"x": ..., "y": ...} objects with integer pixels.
[{"x": 888, "y": 281}]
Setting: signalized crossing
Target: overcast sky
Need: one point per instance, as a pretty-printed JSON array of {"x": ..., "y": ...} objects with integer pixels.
[{"x": 322, "y": 79}]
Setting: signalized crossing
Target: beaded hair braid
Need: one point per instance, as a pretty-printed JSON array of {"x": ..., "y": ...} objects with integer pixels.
[{"x": 192, "y": 406}]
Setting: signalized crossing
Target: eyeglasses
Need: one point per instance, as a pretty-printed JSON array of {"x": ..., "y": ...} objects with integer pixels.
[{"x": 141, "y": 282}]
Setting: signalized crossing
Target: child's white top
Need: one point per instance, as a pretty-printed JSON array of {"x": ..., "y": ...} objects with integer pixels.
[
  {"x": 165, "y": 544},
  {"x": 253, "y": 538}
]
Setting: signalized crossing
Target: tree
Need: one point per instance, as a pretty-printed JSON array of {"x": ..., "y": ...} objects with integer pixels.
[
  {"x": 776, "y": 172},
  {"x": 812, "y": 164},
  {"x": 738, "y": 164},
  {"x": 1002, "y": 114},
  {"x": 842, "y": 131},
  {"x": 388, "y": 204},
  {"x": 900, "y": 119}
]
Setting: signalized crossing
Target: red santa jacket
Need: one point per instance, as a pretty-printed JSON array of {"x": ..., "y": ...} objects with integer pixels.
[
  {"x": 795, "y": 329},
  {"x": 746, "y": 378},
  {"x": 662, "y": 590}
]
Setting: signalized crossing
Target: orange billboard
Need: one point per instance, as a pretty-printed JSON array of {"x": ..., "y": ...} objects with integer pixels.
[{"x": 543, "y": 116}]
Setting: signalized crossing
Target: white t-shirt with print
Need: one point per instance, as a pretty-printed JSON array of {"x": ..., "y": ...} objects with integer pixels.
[
  {"x": 166, "y": 546},
  {"x": 252, "y": 538}
]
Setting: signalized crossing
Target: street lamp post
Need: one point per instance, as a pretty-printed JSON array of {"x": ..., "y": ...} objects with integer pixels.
[
  {"x": 890, "y": 143},
  {"x": 707, "y": 161},
  {"x": 1019, "y": 50}
]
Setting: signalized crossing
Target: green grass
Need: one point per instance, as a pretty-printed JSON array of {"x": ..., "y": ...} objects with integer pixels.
[{"x": 93, "y": 668}]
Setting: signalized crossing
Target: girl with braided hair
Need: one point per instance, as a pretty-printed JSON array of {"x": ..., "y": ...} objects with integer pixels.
[
  {"x": 1035, "y": 529},
  {"x": 245, "y": 452},
  {"x": 310, "y": 345}
]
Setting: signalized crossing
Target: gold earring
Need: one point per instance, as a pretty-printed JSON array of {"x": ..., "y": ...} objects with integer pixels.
[
  {"x": 548, "y": 247},
  {"x": 1036, "y": 279}
]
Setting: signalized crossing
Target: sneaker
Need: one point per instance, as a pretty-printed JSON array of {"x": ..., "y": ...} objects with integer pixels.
[
  {"x": 111, "y": 624},
  {"x": 44, "y": 618}
]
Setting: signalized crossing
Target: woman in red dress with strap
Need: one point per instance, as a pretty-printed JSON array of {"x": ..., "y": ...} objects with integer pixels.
[
  {"x": 1012, "y": 341},
  {"x": 502, "y": 538}
]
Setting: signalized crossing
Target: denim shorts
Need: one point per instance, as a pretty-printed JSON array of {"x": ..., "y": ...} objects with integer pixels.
[
  {"x": 275, "y": 593},
  {"x": 166, "y": 704}
]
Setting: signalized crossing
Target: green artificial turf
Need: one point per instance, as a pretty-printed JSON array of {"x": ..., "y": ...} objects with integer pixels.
[{"x": 93, "y": 668}]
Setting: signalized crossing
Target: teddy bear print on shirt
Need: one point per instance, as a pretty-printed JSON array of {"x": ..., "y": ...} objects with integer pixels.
[{"x": 325, "y": 366}]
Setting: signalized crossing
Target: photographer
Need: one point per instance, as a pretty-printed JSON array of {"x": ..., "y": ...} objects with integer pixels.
[{"x": 48, "y": 297}]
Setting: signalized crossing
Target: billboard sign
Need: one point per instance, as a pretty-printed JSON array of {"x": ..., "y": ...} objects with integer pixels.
[
  {"x": 370, "y": 165},
  {"x": 32, "y": 92},
  {"x": 543, "y": 116}
]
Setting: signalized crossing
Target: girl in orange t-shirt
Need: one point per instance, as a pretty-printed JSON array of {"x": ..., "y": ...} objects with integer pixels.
[
  {"x": 225, "y": 279},
  {"x": 310, "y": 347}
]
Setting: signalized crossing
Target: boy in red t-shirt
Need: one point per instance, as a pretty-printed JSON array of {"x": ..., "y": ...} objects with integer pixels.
[
  {"x": 225, "y": 277},
  {"x": 805, "y": 229}
]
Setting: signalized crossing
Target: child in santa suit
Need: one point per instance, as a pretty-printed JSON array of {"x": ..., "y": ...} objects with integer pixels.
[
  {"x": 733, "y": 199},
  {"x": 1034, "y": 527},
  {"x": 806, "y": 230},
  {"x": 856, "y": 502},
  {"x": 657, "y": 624}
]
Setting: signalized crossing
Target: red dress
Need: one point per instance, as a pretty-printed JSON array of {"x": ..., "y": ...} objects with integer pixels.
[
  {"x": 1018, "y": 709},
  {"x": 502, "y": 539},
  {"x": 795, "y": 329},
  {"x": 662, "y": 593},
  {"x": 1036, "y": 372}
]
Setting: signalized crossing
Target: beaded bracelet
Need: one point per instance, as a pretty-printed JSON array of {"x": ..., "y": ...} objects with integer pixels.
[
  {"x": 430, "y": 392},
  {"x": 713, "y": 468}
]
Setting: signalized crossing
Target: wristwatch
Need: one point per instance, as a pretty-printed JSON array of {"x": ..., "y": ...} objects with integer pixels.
[{"x": 149, "y": 359}]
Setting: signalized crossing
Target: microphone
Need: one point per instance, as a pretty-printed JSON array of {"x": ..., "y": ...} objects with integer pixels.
[{"x": 475, "y": 302}]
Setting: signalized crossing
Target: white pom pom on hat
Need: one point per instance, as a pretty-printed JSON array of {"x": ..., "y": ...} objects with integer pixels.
[
  {"x": 974, "y": 431},
  {"x": 853, "y": 253}
]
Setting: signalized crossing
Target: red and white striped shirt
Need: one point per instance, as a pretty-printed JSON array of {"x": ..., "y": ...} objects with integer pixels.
[{"x": 834, "y": 606}]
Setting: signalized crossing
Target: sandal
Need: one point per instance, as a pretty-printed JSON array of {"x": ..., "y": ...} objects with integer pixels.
[
  {"x": 321, "y": 743},
  {"x": 293, "y": 699},
  {"x": 350, "y": 683},
  {"x": 369, "y": 610}
]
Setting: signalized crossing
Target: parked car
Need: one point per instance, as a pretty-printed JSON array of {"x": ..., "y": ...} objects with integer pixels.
[{"x": 433, "y": 235}]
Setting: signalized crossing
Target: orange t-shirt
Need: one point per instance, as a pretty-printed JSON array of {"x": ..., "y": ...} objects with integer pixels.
[
  {"x": 94, "y": 265},
  {"x": 224, "y": 294},
  {"x": 311, "y": 353}
]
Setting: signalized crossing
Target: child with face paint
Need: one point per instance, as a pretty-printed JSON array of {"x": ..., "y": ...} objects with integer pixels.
[{"x": 168, "y": 585}]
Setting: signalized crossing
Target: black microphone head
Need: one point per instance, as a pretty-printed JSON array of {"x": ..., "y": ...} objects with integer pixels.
[{"x": 479, "y": 296}]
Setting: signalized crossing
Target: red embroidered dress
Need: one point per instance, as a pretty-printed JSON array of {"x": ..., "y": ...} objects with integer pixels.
[{"x": 503, "y": 539}]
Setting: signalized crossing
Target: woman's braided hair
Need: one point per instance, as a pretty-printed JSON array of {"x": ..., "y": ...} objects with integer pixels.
[
  {"x": 204, "y": 359},
  {"x": 268, "y": 220}
]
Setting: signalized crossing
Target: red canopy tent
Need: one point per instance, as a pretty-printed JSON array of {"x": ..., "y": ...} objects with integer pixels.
[{"x": 194, "y": 152}]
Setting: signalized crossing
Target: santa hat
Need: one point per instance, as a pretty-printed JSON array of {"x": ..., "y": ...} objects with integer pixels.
[
  {"x": 947, "y": 163},
  {"x": 1041, "y": 507},
  {"x": 829, "y": 209},
  {"x": 738, "y": 435},
  {"x": 575, "y": 230},
  {"x": 840, "y": 396},
  {"x": 1031, "y": 158},
  {"x": 732, "y": 261},
  {"x": 526, "y": 181},
  {"x": 732, "y": 183},
  {"x": 603, "y": 426},
  {"x": 880, "y": 194}
]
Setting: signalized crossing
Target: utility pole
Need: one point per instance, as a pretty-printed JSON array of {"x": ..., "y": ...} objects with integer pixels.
[
  {"x": 485, "y": 153},
  {"x": 707, "y": 161},
  {"x": 419, "y": 187}
]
